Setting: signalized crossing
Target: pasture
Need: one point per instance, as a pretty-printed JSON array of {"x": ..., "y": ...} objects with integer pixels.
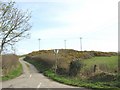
[{"x": 103, "y": 64}]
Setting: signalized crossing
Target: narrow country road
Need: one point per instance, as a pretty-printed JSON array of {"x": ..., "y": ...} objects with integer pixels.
[{"x": 32, "y": 79}]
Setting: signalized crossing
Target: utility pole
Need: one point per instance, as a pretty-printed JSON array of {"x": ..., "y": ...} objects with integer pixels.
[
  {"x": 39, "y": 43},
  {"x": 65, "y": 43},
  {"x": 81, "y": 43}
]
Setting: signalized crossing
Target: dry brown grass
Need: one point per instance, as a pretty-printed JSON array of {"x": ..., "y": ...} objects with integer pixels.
[{"x": 9, "y": 63}]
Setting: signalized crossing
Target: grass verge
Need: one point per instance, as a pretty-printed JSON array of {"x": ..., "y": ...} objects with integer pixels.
[
  {"x": 81, "y": 83},
  {"x": 73, "y": 80},
  {"x": 14, "y": 73}
]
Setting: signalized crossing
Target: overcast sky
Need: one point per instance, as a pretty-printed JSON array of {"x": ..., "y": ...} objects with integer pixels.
[{"x": 54, "y": 21}]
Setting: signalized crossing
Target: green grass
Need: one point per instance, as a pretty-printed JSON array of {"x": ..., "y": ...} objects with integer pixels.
[
  {"x": 74, "y": 81},
  {"x": 14, "y": 73},
  {"x": 81, "y": 83},
  {"x": 107, "y": 64}
]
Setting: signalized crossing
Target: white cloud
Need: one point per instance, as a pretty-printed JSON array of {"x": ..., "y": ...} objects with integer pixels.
[
  {"x": 91, "y": 15},
  {"x": 83, "y": 17}
]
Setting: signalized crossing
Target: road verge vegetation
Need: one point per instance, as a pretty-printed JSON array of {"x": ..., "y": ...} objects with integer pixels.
[
  {"x": 11, "y": 67},
  {"x": 99, "y": 77}
]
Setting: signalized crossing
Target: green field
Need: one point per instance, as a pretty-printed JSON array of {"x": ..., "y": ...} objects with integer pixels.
[
  {"x": 106, "y": 64},
  {"x": 109, "y": 61}
]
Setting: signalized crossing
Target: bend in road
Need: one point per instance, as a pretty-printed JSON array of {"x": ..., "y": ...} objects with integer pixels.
[{"x": 31, "y": 78}]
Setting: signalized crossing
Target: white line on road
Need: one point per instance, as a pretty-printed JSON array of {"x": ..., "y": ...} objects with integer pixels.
[{"x": 39, "y": 85}]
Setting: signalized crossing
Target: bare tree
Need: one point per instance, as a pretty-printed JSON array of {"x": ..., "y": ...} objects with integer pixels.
[{"x": 14, "y": 24}]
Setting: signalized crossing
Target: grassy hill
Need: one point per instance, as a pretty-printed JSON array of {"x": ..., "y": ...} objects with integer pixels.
[
  {"x": 97, "y": 69},
  {"x": 103, "y": 60}
]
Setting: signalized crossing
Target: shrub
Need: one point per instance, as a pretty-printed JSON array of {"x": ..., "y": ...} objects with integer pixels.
[
  {"x": 27, "y": 58},
  {"x": 62, "y": 71},
  {"x": 86, "y": 55},
  {"x": 103, "y": 77},
  {"x": 75, "y": 67}
]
